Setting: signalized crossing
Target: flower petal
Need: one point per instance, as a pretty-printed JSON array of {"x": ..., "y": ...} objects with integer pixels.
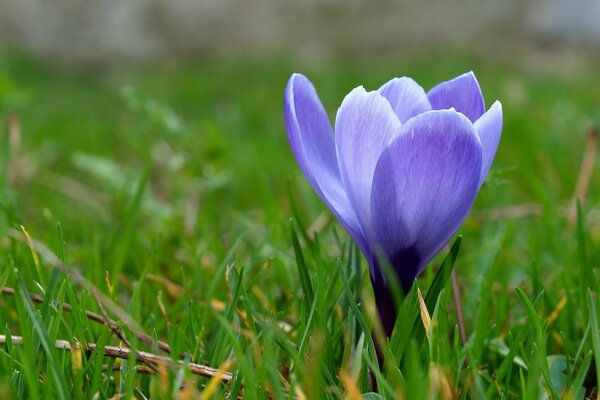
[
  {"x": 489, "y": 130},
  {"x": 406, "y": 97},
  {"x": 461, "y": 93},
  {"x": 312, "y": 142},
  {"x": 424, "y": 185},
  {"x": 365, "y": 124}
]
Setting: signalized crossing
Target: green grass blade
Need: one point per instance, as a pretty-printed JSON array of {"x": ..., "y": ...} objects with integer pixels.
[
  {"x": 410, "y": 309},
  {"x": 58, "y": 377},
  {"x": 443, "y": 275},
  {"x": 593, "y": 315},
  {"x": 355, "y": 309},
  {"x": 540, "y": 348},
  {"x": 296, "y": 213},
  {"x": 303, "y": 272},
  {"x": 577, "y": 387}
]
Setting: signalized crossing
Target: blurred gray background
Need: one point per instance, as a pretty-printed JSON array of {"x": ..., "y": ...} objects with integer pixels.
[{"x": 95, "y": 31}]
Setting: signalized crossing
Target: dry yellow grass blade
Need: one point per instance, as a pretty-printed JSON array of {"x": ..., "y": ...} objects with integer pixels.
[
  {"x": 76, "y": 358},
  {"x": 36, "y": 259},
  {"x": 174, "y": 290},
  {"x": 216, "y": 380},
  {"x": 440, "y": 386},
  {"x": 300, "y": 393},
  {"x": 561, "y": 304},
  {"x": 424, "y": 313},
  {"x": 350, "y": 385},
  {"x": 163, "y": 379}
]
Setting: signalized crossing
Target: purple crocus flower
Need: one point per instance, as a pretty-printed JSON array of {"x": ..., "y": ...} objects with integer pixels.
[{"x": 401, "y": 171}]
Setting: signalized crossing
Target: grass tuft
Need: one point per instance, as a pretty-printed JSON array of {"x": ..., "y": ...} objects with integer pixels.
[{"x": 157, "y": 240}]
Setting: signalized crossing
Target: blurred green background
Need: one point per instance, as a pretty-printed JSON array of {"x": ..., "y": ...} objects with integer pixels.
[
  {"x": 212, "y": 134},
  {"x": 170, "y": 155}
]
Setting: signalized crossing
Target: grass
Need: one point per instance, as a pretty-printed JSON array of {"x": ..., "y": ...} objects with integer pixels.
[{"x": 166, "y": 199}]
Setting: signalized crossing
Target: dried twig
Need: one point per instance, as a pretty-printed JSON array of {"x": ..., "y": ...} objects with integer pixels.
[
  {"x": 115, "y": 329},
  {"x": 150, "y": 359},
  {"x": 74, "y": 189},
  {"x": 92, "y": 316},
  {"x": 585, "y": 173},
  {"x": 78, "y": 279},
  {"x": 221, "y": 374},
  {"x": 458, "y": 304},
  {"x": 110, "y": 323},
  {"x": 142, "y": 356},
  {"x": 510, "y": 212},
  {"x": 36, "y": 298}
]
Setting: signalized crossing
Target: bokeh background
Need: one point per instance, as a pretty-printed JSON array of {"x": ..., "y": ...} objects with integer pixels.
[
  {"x": 94, "y": 93},
  {"x": 143, "y": 142},
  {"x": 103, "y": 32}
]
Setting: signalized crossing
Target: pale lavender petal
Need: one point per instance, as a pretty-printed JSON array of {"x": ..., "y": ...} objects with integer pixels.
[
  {"x": 424, "y": 185},
  {"x": 312, "y": 142},
  {"x": 365, "y": 124},
  {"x": 489, "y": 130},
  {"x": 461, "y": 93},
  {"x": 406, "y": 97}
]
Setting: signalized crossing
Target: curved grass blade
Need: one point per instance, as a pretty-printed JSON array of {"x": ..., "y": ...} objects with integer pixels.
[
  {"x": 53, "y": 363},
  {"x": 540, "y": 349}
]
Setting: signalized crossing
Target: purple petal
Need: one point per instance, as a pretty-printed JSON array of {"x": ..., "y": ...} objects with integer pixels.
[
  {"x": 364, "y": 126},
  {"x": 312, "y": 142},
  {"x": 489, "y": 129},
  {"x": 406, "y": 97},
  {"x": 424, "y": 185},
  {"x": 461, "y": 93}
]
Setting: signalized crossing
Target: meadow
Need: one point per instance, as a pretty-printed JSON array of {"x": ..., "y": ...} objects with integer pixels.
[{"x": 155, "y": 208}]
